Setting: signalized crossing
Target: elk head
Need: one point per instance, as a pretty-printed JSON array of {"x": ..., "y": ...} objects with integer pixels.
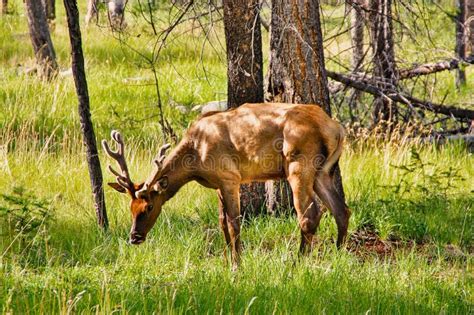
[{"x": 147, "y": 198}]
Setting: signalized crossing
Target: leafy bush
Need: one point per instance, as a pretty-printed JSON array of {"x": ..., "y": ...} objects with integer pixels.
[{"x": 25, "y": 221}]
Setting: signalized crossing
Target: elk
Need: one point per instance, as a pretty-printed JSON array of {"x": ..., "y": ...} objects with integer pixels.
[{"x": 254, "y": 142}]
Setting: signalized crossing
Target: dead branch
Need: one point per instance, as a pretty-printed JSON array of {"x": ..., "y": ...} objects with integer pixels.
[
  {"x": 430, "y": 68},
  {"x": 396, "y": 96}
]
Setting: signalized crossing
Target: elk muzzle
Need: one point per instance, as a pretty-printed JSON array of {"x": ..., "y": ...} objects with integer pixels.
[{"x": 136, "y": 238}]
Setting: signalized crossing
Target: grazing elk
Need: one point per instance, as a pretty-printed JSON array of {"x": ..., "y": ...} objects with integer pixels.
[{"x": 254, "y": 142}]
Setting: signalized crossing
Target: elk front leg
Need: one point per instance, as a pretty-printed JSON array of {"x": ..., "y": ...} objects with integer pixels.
[
  {"x": 223, "y": 223},
  {"x": 231, "y": 200}
]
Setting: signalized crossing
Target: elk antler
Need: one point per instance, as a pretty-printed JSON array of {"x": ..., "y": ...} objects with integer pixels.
[
  {"x": 123, "y": 178},
  {"x": 161, "y": 157},
  {"x": 158, "y": 164},
  {"x": 156, "y": 173}
]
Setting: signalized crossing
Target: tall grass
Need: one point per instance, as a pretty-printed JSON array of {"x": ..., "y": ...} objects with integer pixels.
[{"x": 418, "y": 195}]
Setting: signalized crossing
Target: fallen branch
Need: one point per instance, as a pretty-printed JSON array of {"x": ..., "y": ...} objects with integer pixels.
[
  {"x": 401, "y": 98},
  {"x": 430, "y": 68},
  {"x": 420, "y": 70}
]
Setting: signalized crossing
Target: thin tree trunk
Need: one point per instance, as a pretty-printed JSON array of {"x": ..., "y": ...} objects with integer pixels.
[
  {"x": 50, "y": 9},
  {"x": 92, "y": 11},
  {"x": 357, "y": 40},
  {"x": 4, "y": 7},
  {"x": 245, "y": 75},
  {"x": 116, "y": 14},
  {"x": 461, "y": 39},
  {"x": 297, "y": 69},
  {"x": 41, "y": 39},
  {"x": 87, "y": 128},
  {"x": 357, "y": 33},
  {"x": 383, "y": 56}
]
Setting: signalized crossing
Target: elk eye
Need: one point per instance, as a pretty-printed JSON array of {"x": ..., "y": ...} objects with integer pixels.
[{"x": 149, "y": 208}]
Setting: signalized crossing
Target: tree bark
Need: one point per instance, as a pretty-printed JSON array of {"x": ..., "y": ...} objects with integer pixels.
[
  {"x": 461, "y": 39},
  {"x": 297, "y": 69},
  {"x": 41, "y": 39},
  {"x": 87, "y": 128},
  {"x": 245, "y": 75},
  {"x": 357, "y": 40},
  {"x": 383, "y": 56},
  {"x": 4, "y": 7},
  {"x": 92, "y": 11},
  {"x": 50, "y": 9}
]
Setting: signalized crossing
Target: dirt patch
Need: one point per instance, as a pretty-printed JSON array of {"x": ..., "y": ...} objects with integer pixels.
[{"x": 366, "y": 242}]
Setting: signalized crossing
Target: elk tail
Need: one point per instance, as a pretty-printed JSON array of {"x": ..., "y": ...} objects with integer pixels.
[{"x": 336, "y": 154}]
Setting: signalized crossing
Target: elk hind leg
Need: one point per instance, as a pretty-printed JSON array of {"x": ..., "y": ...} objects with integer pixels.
[{"x": 327, "y": 192}]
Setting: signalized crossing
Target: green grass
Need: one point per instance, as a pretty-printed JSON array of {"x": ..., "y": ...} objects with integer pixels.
[{"x": 418, "y": 194}]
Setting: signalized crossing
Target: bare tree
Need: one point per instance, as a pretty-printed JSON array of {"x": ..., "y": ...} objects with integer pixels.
[
  {"x": 357, "y": 40},
  {"x": 50, "y": 9},
  {"x": 87, "y": 128},
  {"x": 381, "y": 32},
  {"x": 297, "y": 70},
  {"x": 4, "y": 9},
  {"x": 92, "y": 11},
  {"x": 41, "y": 39},
  {"x": 461, "y": 39},
  {"x": 245, "y": 74},
  {"x": 115, "y": 12}
]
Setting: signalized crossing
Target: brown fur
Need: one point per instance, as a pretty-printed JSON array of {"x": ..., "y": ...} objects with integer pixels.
[{"x": 255, "y": 142}]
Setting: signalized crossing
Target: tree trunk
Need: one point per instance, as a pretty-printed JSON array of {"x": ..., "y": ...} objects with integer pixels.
[
  {"x": 92, "y": 11},
  {"x": 4, "y": 7},
  {"x": 357, "y": 33},
  {"x": 297, "y": 70},
  {"x": 245, "y": 75},
  {"x": 41, "y": 39},
  {"x": 87, "y": 128},
  {"x": 116, "y": 14},
  {"x": 357, "y": 40},
  {"x": 50, "y": 9},
  {"x": 461, "y": 38},
  {"x": 383, "y": 56}
]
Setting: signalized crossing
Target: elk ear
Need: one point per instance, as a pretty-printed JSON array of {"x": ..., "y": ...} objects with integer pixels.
[
  {"x": 162, "y": 184},
  {"x": 117, "y": 187}
]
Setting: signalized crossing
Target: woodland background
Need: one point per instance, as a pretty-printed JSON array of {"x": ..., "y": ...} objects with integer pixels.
[{"x": 151, "y": 69}]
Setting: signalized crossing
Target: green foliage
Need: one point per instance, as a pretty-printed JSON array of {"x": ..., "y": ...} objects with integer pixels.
[
  {"x": 432, "y": 180},
  {"x": 25, "y": 221},
  {"x": 24, "y": 213}
]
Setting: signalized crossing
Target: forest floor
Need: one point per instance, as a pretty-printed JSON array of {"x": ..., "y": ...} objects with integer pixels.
[{"x": 411, "y": 243}]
